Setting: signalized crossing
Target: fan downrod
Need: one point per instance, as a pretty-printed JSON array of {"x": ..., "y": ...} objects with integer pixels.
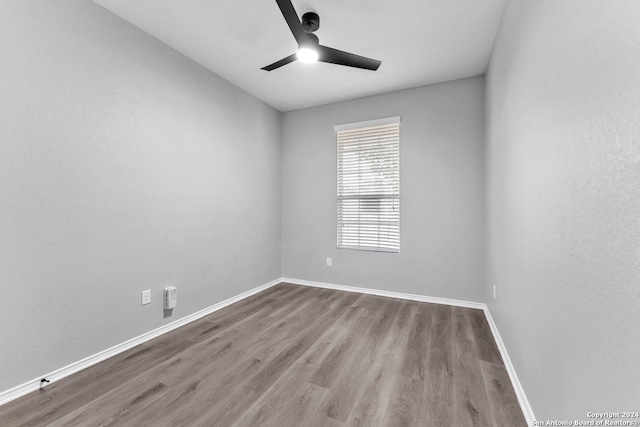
[{"x": 310, "y": 22}]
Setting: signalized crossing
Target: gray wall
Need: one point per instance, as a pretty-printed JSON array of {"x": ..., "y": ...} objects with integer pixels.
[
  {"x": 442, "y": 193},
  {"x": 563, "y": 171},
  {"x": 123, "y": 166}
]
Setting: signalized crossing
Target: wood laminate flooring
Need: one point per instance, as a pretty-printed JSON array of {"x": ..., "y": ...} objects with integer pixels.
[{"x": 295, "y": 356}]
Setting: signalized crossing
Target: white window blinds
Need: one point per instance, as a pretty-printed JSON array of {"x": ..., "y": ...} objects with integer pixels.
[{"x": 369, "y": 186}]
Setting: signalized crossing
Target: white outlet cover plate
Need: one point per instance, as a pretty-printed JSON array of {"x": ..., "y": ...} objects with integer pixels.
[{"x": 146, "y": 297}]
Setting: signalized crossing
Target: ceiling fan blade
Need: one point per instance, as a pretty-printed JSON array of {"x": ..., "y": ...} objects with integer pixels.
[
  {"x": 278, "y": 64},
  {"x": 335, "y": 56},
  {"x": 290, "y": 15}
]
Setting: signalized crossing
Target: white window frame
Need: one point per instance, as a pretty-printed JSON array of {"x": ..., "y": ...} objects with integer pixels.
[{"x": 358, "y": 126}]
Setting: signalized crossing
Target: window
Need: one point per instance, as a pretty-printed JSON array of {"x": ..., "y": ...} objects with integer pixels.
[{"x": 369, "y": 185}]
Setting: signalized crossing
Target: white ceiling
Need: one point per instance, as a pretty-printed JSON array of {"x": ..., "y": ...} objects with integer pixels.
[{"x": 418, "y": 41}]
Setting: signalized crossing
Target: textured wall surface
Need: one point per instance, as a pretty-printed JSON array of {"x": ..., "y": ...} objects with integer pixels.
[
  {"x": 563, "y": 171},
  {"x": 442, "y": 193},
  {"x": 123, "y": 166}
]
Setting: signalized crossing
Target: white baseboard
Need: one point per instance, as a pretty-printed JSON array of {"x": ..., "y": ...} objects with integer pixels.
[
  {"x": 517, "y": 386},
  {"x": 522, "y": 398},
  {"x": 29, "y": 386},
  {"x": 389, "y": 294}
]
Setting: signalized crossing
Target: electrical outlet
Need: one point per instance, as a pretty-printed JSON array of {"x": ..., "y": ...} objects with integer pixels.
[
  {"x": 146, "y": 297},
  {"x": 170, "y": 297},
  {"x": 494, "y": 291},
  {"x": 329, "y": 262}
]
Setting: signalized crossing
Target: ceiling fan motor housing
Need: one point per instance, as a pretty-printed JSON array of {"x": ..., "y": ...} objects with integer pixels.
[{"x": 310, "y": 22}]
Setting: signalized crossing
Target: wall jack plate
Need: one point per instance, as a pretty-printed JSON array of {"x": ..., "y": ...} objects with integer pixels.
[{"x": 146, "y": 297}]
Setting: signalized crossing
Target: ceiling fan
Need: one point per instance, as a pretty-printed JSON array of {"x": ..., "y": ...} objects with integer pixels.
[{"x": 309, "y": 47}]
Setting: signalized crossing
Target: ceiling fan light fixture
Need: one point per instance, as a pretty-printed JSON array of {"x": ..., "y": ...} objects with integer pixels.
[
  {"x": 309, "y": 47},
  {"x": 307, "y": 55}
]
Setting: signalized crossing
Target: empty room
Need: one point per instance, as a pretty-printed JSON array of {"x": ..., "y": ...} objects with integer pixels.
[{"x": 320, "y": 213}]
